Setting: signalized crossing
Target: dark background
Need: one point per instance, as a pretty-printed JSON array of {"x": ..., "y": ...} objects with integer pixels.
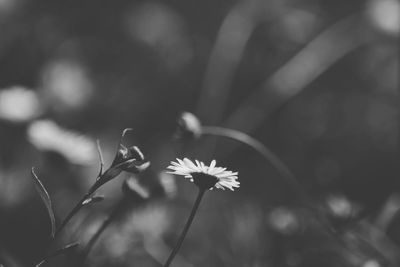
[{"x": 314, "y": 80}]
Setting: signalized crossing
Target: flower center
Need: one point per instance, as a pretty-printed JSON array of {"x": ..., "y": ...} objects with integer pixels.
[{"x": 204, "y": 181}]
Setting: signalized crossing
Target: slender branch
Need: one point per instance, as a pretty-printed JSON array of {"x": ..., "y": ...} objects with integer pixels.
[
  {"x": 274, "y": 160},
  {"x": 186, "y": 228},
  {"x": 60, "y": 251},
  {"x": 99, "y": 231},
  {"x": 265, "y": 152},
  {"x": 77, "y": 208}
]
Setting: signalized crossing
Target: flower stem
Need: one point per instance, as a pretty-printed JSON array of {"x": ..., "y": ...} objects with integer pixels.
[
  {"x": 60, "y": 251},
  {"x": 77, "y": 208},
  {"x": 100, "y": 230},
  {"x": 186, "y": 228},
  {"x": 271, "y": 158},
  {"x": 265, "y": 152}
]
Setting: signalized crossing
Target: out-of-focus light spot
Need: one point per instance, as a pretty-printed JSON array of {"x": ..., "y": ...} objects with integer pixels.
[
  {"x": 8, "y": 6},
  {"x": 136, "y": 190},
  {"x": 283, "y": 220},
  {"x": 385, "y": 15},
  {"x": 162, "y": 29},
  {"x": 118, "y": 244},
  {"x": 77, "y": 148},
  {"x": 19, "y": 104},
  {"x": 152, "y": 221},
  {"x": 371, "y": 263},
  {"x": 340, "y": 206},
  {"x": 66, "y": 85},
  {"x": 167, "y": 181},
  {"x": 381, "y": 119}
]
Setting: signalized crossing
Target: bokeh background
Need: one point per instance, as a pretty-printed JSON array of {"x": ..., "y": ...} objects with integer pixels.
[{"x": 314, "y": 80}]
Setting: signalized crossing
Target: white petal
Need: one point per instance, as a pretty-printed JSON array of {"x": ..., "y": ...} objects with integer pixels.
[
  {"x": 211, "y": 167},
  {"x": 217, "y": 185},
  {"x": 198, "y": 164},
  {"x": 227, "y": 174},
  {"x": 218, "y": 170},
  {"x": 191, "y": 165},
  {"x": 204, "y": 167}
]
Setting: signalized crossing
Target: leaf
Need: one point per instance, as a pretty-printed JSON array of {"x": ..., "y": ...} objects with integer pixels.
[
  {"x": 46, "y": 200},
  {"x": 92, "y": 200},
  {"x": 60, "y": 251},
  {"x": 100, "y": 158}
]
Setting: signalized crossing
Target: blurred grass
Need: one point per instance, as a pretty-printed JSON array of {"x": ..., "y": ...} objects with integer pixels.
[{"x": 314, "y": 80}]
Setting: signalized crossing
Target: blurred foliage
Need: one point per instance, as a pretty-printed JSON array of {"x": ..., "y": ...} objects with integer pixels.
[{"x": 314, "y": 80}]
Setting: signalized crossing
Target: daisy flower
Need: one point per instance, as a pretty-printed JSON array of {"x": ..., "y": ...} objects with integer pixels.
[{"x": 205, "y": 177}]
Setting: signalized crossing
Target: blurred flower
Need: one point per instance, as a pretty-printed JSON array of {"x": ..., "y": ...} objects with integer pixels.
[
  {"x": 75, "y": 147},
  {"x": 19, "y": 104},
  {"x": 189, "y": 126},
  {"x": 66, "y": 85},
  {"x": 135, "y": 190},
  {"x": 167, "y": 182},
  {"x": 339, "y": 206},
  {"x": 153, "y": 220},
  {"x": 371, "y": 263},
  {"x": 205, "y": 177},
  {"x": 385, "y": 15},
  {"x": 283, "y": 220}
]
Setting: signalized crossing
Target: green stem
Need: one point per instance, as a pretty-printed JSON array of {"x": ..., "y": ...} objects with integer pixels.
[
  {"x": 186, "y": 228},
  {"x": 60, "y": 251},
  {"x": 266, "y": 153},
  {"x": 282, "y": 169},
  {"x": 77, "y": 208},
  {"x": 99, "y": 231}
]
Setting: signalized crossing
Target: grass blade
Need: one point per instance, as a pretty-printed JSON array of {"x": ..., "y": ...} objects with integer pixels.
[
  {"x": 60, "y": 251},
  {"x": 93, "y": 200},
  {"x": 46, "y": 200}
]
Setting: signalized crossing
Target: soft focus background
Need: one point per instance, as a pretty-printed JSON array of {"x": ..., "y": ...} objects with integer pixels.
[{"x": 314, "y": 80}]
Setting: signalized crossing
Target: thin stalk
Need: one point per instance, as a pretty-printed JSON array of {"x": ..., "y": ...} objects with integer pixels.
[
  {"x": 60, "y": 251},
  {"x": 259, "y": 147},
  {"x": 186, "y": 228},
  {"x": 282, "y": 169},
  {"x": 77, "y": 208},
  {"x": 99, "y": 182},
  {"x": 99, "y": 231}
]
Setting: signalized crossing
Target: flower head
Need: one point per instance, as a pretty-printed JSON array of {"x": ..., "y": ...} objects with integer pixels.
[
  {"x": 205, "y": 177},
  {"x": 129, "y": 159}
]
